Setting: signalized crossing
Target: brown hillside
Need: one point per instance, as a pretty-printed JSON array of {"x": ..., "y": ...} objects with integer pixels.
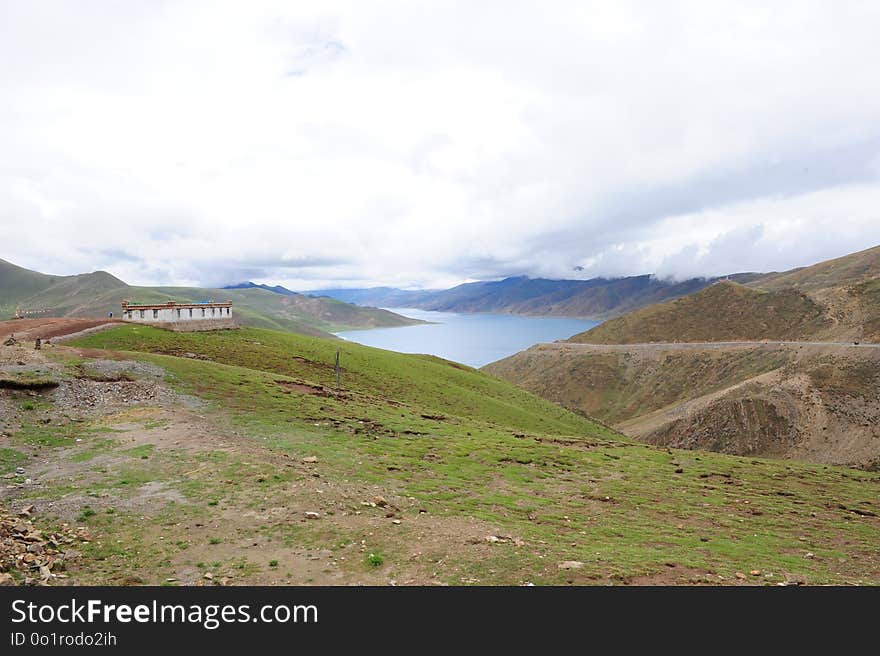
[
  {"x": 842, "y": 271},
  {"x": 726, "y": 311},
  {"x": 617, "y": 383},
  {"x": 665, "y": 375},
  {"x": 868, "y": 297},
  {"x": 817, "y": 403},
  {"x": 822, "y": 408}
]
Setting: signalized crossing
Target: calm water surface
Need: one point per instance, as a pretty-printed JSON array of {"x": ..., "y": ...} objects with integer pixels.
[{"x": 473, "y": 339}]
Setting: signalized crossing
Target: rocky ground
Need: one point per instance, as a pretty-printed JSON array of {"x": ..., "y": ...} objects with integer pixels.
[{"x": 31, "y": 557}]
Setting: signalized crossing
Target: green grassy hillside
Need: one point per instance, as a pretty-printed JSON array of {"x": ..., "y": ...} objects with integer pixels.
[
  {"x": 77, "y": 295},
  {"x": 726, "y": 311},
  {"x": 374, "y": 380},
  {"x": 17, "y": 284},
  {"x": 252, "y": 307},
  {"x": 491, "y": 484},
  {"x": 99, "y": 293}
]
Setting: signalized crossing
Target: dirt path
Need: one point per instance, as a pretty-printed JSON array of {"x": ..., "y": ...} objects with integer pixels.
[
  {"x": 163, "y": 474},
  {"x": 47, "y": 328},
  {"x": 684, "y": 346},
  {"x": 643, "y": 425}
]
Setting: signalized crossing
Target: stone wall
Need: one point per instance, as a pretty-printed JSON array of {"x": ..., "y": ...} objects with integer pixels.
[{"x": 191, "y": 326}]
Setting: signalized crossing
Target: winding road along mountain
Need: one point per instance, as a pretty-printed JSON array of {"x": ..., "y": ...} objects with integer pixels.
[{"x": 699, "y": 345}]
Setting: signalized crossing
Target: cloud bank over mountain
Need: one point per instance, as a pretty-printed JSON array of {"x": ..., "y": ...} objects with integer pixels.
[{"x": 427, "y": 144}]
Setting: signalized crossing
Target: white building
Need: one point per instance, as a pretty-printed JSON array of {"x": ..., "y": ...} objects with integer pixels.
[{"x": 178, "y": 313}]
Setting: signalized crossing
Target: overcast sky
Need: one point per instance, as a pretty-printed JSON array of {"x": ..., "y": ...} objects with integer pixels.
[{"x": 423, "y": 144}]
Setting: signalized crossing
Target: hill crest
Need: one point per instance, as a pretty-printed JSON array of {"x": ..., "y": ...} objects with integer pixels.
[{"x": 725, "y": 311}]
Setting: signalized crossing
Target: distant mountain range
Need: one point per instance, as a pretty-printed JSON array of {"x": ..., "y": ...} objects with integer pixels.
[
  {"x": 99, "y": 293},
  {"x": 277, "y": 289},
  {"x": 597, "y": 298}
]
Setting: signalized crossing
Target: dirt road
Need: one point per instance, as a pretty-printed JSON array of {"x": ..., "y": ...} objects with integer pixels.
[
  {"x": 127, "y": 452},
  {"x": 49, "y": 327},
  {"x": 663, "y": 346}
]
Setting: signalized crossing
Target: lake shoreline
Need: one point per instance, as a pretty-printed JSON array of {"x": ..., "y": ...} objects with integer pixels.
[{"x": 475, "y": 339}]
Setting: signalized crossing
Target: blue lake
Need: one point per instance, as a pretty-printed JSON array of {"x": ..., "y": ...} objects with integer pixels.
[{"x": 472, "y": 339}]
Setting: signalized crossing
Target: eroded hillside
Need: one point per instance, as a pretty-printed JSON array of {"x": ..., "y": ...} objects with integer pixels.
[{"x": 810, "y": 402}]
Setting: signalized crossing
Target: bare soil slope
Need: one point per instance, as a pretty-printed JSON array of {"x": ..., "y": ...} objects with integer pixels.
[{"x": 805, "y": 401}]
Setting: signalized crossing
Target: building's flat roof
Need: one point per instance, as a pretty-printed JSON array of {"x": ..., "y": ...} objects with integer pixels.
[{"x": 172, "y": 305}]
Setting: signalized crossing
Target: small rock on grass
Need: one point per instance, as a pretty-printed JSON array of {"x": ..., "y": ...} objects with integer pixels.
[
  {"x": 503, "y": 539},
  {"x": 570, "y": 564},
  {"x": 310, "y": 459},
  {"x": 312, "y": 515}
]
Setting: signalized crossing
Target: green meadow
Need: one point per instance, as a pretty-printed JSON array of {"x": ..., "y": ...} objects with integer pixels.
[{"x": 550, "y": 486}]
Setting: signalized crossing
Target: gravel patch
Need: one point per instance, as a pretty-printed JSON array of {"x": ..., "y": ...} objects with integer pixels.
[
  {"x": 80, "y": 394},
  {"x": 130, "y": 367},
  {"x": 26, "y": 369}
]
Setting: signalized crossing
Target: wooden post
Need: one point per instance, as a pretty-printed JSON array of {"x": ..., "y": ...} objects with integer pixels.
[{"x": 338, "y": 377}]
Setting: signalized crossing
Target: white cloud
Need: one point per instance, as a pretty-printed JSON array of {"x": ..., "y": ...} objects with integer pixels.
[{"x": 427, "y": 143}]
